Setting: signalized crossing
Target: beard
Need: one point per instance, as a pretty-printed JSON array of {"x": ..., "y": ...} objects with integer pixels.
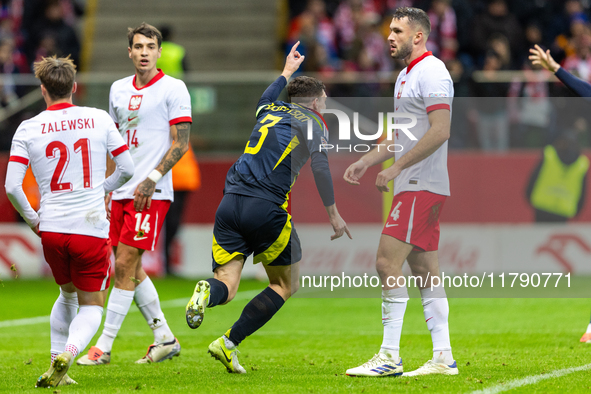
[{"x": 403, "y": 50}]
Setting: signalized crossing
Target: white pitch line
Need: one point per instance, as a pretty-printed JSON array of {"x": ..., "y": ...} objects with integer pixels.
[
  {"x": 533, "y": 379},
  {"x": 24, "y": 322},
  {"x": 243, "y": 295}
]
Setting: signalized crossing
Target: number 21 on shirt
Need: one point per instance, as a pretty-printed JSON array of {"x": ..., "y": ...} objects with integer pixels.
[{"x": 59, "y": 149}]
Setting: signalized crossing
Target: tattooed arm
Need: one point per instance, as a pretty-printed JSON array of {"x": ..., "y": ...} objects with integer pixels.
[{"x": 180, "y": 135}]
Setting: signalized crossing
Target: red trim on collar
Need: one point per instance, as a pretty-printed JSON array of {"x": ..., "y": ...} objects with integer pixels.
[
  {"x": 57, "y": 107},
  {"x": 156, "y": 78},
  {"x": 321, "y": 117},
  {"x": 418, "y": 59}
]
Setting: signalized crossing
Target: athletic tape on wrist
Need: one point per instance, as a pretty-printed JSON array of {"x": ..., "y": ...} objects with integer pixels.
[{"x": 155, "y": 176}]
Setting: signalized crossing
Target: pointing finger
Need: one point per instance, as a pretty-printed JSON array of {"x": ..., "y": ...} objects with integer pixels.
[{"x": 348, "y": 233}]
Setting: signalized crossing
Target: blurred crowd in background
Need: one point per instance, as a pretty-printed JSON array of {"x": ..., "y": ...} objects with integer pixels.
[
  {"x": 30, "y": 29},
  {"x": 489, "y": 36},
  {"x": 468, "y": 35},
  {"x": 477, "y": 40}
]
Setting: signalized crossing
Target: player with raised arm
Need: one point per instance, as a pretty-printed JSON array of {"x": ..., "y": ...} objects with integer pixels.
[
  {"x": 424, "y": 89},
  {"x": 543, "y": 58},
  {"x": 67, "y": 147},
  {"x": 578, "y": 86},
  {"x": 153, "y": 114},
  {"x": 252, "y": 216}
]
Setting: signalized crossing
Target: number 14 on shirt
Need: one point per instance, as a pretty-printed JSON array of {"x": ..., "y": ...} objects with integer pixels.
[{"x": 131, "y": 138}]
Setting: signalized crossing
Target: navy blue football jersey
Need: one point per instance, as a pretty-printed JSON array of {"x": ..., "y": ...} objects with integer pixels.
[{"x": 277, "y": 149}]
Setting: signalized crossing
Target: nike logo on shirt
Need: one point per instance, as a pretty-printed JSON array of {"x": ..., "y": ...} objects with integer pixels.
[
  {"x": 390, "y": 225},
  {"x": 130, "y": 119}
]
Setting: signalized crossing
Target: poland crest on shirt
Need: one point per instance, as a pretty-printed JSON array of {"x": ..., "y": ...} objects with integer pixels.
[
  {"x": 144, "y": 116},
  {"x": 134, "y": 102},
  {"x": 422, "y": 87}
]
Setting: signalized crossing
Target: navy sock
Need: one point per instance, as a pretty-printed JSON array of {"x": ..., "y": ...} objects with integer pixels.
[
  {"x": 218, "y": 293},
  {"x": 255, "y": 314}
]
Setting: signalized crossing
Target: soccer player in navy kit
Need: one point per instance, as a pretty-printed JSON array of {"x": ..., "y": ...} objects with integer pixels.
[{"x": 252, "y": 217}]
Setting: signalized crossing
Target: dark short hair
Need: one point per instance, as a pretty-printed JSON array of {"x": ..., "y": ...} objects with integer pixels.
[
  {"x": 415, "y": 16},
  {"x": 146, "y": 30},
  {"x": 304, "y": 87},
  {"x": 57, "y": 75}
]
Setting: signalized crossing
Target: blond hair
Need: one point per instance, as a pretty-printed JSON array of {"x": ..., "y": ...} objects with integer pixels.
[{"x": 57, "y": 75}]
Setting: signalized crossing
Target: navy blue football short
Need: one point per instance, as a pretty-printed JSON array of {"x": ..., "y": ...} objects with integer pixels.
[{"x": 246, "y": 225}]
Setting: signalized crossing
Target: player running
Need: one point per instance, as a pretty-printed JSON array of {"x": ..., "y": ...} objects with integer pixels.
[
  {"x": 252, "y": 216},
  {"x": 424, "y": 89},
  {"x": 578, "y": 86},
  {"x": 153, "y": 114},
  {"x": 67, "y": 148}
]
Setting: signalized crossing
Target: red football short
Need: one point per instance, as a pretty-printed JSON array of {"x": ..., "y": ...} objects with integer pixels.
[
  {"x": 138, "y": 229},
  {"x": 414, "y": 219},
  {"x": 80, "y": 259}
]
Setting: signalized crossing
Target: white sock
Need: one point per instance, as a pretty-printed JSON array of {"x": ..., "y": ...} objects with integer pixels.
[
  {"x": 229, "y": 344},
  {"x": 83, "y": 328},
  {"x": 117, "y": 308},
  {"x": 436, "y": 311},
  {"x": 393, "y": 307},
  {"x": 588, "y": 329},
  {"x": 146, "y": 299},
  {"x": 63, "y": 312}
]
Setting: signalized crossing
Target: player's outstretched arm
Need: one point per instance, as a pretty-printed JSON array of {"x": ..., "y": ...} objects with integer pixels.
[
  {"x": 578, "y": 86},
  {"x": 437, "y": 134},
  {"x": 544, "y": 59},
  {"x": 292, "y": 63},
  {"x": 145, "y": 190},
  {"x": 15, "y": 174}
]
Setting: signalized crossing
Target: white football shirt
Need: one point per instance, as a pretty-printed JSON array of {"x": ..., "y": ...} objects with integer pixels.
[
  {"x": 143, "y": 117},
  {"x": 424, "y": 86},
  {"x": 67, "y": 147}
]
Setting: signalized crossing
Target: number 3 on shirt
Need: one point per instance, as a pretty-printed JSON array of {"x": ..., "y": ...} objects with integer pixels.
[
  {"x": 57, "y": 147},
  {"x": 264, "y": 130}
]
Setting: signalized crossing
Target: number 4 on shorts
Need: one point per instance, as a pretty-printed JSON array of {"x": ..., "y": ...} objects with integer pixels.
[{"x": 396, "y": 211}]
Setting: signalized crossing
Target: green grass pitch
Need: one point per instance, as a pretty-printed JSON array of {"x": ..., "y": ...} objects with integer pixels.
[{"x": 309, "y": 344}]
